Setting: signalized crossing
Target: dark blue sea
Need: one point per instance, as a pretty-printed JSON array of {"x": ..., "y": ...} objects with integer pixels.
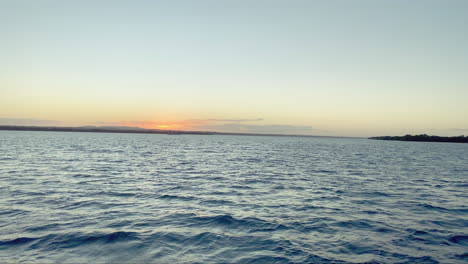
[{"x": 145, "y": 198}]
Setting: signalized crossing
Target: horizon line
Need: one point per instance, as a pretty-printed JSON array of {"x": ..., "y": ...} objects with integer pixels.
[{"x": 140, "y": 130}]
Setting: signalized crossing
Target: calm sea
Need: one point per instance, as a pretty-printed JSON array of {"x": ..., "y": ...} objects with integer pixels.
[{"x": 141, "y": 198}]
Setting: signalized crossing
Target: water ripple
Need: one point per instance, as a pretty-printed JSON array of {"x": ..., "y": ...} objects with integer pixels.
[{"x": 123, "y": 198}]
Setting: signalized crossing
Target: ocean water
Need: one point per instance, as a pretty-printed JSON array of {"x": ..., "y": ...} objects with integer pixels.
[{"x": 139, "y": 198}]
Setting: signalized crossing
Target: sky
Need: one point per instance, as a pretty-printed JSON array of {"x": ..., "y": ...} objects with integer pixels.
[{"x": 332, "y": 67}]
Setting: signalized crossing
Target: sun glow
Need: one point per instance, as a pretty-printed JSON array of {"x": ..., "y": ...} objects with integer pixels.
[
  {"x": 167, "y": 126},
  {"x": 175, "y": 125}
]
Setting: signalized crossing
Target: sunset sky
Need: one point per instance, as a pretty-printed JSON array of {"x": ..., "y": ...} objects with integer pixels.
[{"x": 347, "y": 68}]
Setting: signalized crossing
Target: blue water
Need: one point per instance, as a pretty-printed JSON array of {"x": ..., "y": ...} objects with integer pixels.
[{"x": 139, "y": 198}]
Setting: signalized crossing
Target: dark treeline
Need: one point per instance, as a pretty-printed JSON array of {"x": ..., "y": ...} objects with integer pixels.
[
  {"x": 425, "y": 138},
  {"x": 100, "y": 129}
]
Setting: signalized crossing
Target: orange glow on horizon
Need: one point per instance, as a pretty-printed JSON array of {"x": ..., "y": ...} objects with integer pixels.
[
  {"x": 170, "y": 127},
  {"x": 174, "y": 124},
  {"x": 165, "y": 126},
  {"x": 178, "y": 125}
]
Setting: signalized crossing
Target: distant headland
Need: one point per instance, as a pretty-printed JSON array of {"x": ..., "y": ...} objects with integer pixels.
[
  {"x": 139, "y": 130},
  {"x": 424, "y": 138}
]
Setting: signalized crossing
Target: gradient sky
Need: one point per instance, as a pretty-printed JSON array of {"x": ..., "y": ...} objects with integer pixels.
[{"x": 350, "y": 68}]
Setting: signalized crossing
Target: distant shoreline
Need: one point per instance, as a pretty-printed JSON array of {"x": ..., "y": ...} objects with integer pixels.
[
  {"x": 424, "y": 138},
  {"x": 137, "y": 130}
]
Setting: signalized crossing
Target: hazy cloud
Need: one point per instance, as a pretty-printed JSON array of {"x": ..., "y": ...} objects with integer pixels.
[
  {"x": 225, "y": 120},
  {"x": 187, "y": 123},
  {"x": 459, "y": 129},
  {"x": 28, "y": 122},
  {"x": 216, "y": 125},
  {"x": 221, "y": 125},
  {"x": 147, "y": 124},
  {"x": 260, "y": 129},
  {"x": 132, "y": 123},
  {"x": 123, "y": 123}
]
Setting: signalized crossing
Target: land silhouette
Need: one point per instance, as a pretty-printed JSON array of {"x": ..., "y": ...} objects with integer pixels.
[
  {"x": 424, "y": 138},
  {"x": 139, "y": 130}
]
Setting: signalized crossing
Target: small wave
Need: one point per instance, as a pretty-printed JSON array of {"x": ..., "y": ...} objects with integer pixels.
[
  {"x": 112, "y": 237},
  {"x": 217, "y": 220},
  {"x": 13, "y": 212},
  {"x": 226, "y": 193},
  {"x": 120, "y": 224},
  {"x": 298, "y": 254},
  {"x": 176, "y": 197},
  {"x": 241, "y": 187},
  {"x": 117, "y": 194},
  {"x": 421, "y": 260},
  {"x": 359, "y": 224},
  {"x": 265, "y": 259},
  {"x": 167, "y": 238},
  {"x": 359, "y": 249},
  {"x": 81, "y": 204},
  {"x": 204, "y": 238},
  {"x": 42, "y": 227},
  {"x": 278, "y": 227},
  {"x": 217, "y": 202},
  {"x": 250, "y": 224},
  {"x": 255, "y": 181},
  {"x": 223, "y": 248},
  {"x": 80, "y": 175},
  {"x": 420, "y": 232},
  {"x": 379, "y": 194},
  {"x": 279, "y": 187},
  {"x": 325, "y": 171},
  {"x": 56, "y": 241},
  {"x": 459, "y": 239},
  {"x": 426, "y": 237},
  {"x": 332, "y": 198},
  {"x": 385, "y": 230},
  {"x": 311, "y": 207},
  {"x": 432, "y": 207},
  {"x": 463, "y": 256},
  {"x": 319, "y": 224},
  {"x": 17, "y": 241},
  {"x": 371, "y": 212},
  {"x": 456, "y": 223},
  {"x": 443, "y": 209}
]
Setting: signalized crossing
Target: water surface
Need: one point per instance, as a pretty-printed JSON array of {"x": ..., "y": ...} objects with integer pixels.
[{"x": 145, "y": 198}]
